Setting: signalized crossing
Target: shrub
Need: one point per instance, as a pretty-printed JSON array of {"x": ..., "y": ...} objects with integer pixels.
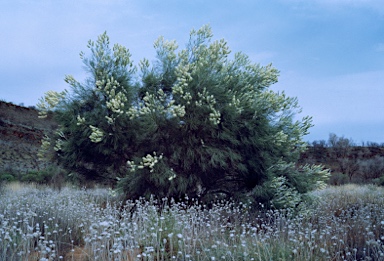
[
  {"x": 372, "y": 168},
  {"x": 338, "y": 178},
  {"x": 197, "y": 122},
  {"x": 379, "y": 181},
  {"x": 7, "y": 177},
  {"x": 32, "y": 176},
  {"x": 40, "y": 177}
]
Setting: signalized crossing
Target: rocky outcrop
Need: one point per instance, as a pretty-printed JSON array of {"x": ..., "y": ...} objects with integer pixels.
[{"x": 21, "y": 132}]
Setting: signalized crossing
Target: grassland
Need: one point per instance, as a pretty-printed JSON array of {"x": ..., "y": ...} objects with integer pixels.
[{"x": 39, "y": 223}]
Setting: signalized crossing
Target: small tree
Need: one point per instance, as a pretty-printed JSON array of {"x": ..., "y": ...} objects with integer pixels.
[
  {"x": 198, "y": 121},
  {"x": 341, "y": 151}
]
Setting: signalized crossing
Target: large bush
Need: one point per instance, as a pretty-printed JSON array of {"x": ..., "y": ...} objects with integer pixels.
[{"x": 198, "y": 121}]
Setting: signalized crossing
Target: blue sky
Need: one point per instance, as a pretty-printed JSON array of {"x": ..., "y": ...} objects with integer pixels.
[{"x": 330, "y": 53}]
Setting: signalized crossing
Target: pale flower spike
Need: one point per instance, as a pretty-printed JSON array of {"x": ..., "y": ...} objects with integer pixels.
[{"x": 97, "y": 134}]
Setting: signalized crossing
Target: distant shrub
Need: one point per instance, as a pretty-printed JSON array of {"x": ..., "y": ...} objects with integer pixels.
[
  {"x": 338, "y": 178},
  {"x": 40, "y": 177},
  {"x": 6, "y": 177},
  {"x": 379, "y": 181},
  {"x": 52, "y": 176},
  {"x": 30, "y": 177},
  {"x": 372, "y": 168},
  {"x": 46, "y": 176}
]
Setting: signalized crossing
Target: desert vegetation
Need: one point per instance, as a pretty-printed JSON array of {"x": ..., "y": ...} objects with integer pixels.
[
  {"x": 349, "y": 162},
  {"x": 197, "y": 121},
  {"x": 191, "y": 158},
  {"x": 38, "y": 223}
]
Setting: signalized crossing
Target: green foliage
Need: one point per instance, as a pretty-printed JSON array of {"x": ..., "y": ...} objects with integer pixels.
[
  {"x": 95, "y": 134},
  {"x": 338, "y": 178},
  {"x": 379, "y": 181},
  {"x": 197, "y": 121},
  {"x": 7, "y": 177},
  {"x": 290, "y": 185},
  {"x": 41, "y": 177},
  {"x": 31, "y": 177},
  {"x": 53, "y": 176}
]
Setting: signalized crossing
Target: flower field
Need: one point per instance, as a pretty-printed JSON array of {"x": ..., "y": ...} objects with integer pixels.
[{"x": 39, "y": 223}]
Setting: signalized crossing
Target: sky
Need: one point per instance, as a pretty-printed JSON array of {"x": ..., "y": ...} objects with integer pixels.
[{"x": 330, "y": 53}]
